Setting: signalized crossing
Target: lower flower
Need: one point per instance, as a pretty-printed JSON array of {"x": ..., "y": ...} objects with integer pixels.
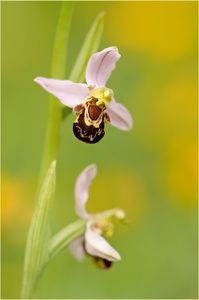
[{"x": 92, "y": 242}]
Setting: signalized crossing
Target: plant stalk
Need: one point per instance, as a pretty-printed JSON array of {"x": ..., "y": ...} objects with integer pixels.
[{"x": 55, "y": 108}]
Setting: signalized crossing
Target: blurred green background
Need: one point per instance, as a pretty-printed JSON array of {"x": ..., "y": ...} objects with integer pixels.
[{"x": 150, "y": 172}]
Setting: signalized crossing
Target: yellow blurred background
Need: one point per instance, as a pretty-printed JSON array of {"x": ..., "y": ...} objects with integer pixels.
[{"x": 150, "y": 172}]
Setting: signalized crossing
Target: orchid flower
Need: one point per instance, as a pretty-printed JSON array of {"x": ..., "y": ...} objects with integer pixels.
[
  {"x": 92, "y": 241},
  {"x": 93, "y": 103}
]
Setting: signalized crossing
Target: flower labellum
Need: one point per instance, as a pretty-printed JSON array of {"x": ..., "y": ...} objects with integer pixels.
[
  {"x": 92, "y": 242},
  {"x": 89, "y": 125},
  {"x": 103, "y": 263},
  {"x": 93, "y": 103}
]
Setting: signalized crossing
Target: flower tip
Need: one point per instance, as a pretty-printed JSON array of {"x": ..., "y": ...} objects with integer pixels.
[
  {"x": 116, "y": 256},
  {"x": 115, "y": 47},
  {"x": 120, "y": 214},
  {"x": 37, "y": 80},
  {"x": 119, "y": 257},
  {"x": 130, "y": 124},
  {"x": 112, "y": 48},
  {"x": 91, "y": 168}
]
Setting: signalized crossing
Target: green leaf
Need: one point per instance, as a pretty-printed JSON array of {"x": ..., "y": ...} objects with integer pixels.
[
  {"x": 89, "y": 47},
  {"x": 38, "y": 236}
]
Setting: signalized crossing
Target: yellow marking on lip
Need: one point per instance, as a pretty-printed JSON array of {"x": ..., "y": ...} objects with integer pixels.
[{"x": 88, "y": 121}]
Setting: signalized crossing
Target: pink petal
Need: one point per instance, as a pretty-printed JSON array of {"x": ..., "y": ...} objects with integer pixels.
[
  {"x": 77, "y": 248},
  {"x": 96, "y": 245},
  {"x": 100, "y": 66},
  {"x": 69, "y": 93},
  {"x": 82, "y": 186},
  {"x": 119, "y": 116}
]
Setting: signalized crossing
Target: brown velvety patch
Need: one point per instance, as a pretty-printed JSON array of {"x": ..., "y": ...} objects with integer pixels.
[
  {"x": 87, "y": 134},
  {"x": 94, "y": 111}
]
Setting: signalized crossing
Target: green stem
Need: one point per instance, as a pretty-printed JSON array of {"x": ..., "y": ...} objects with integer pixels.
[
  {"x": 55, "y": 109},
  {"x": 52, "y": 136},
  {"x": 65, "y": 236}
]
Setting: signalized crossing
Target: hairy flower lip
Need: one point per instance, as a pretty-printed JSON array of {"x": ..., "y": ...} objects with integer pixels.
[{"x": 99, "y": 69}]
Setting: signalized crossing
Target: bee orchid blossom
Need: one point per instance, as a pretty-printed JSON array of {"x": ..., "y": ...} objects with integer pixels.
[
  {"x": 93, "y": 103},
  {"x": 92, "y": 241}
]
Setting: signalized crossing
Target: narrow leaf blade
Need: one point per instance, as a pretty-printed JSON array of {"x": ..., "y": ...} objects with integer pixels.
[
  {"x": 38, "y": 236},
  {"x": 89, "y": 47}
]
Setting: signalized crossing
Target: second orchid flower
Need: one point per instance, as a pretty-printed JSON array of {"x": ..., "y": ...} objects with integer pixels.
[{"x": 92, "y": 242}]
